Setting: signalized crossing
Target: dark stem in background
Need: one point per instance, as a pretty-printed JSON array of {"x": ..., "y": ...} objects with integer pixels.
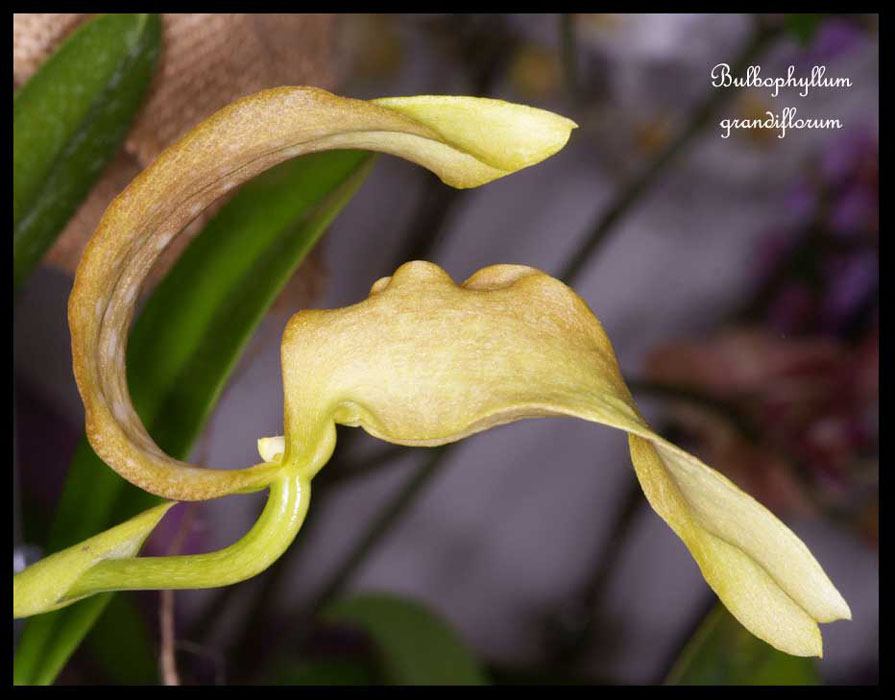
[
  {"x": 167, "y": 635},
  {"x": 568, "y": 42},
  {"x": 587, "y": 603},
  {"x": 430, "y": 221},
  {"x": 382, "y": 524},
  {"x": 630, "y": 194},
  {"x": 300, "y": 626},
  {"x": 482, "y": 44},
  {"x": 367, "y": 465},
  {"x": 762, "y": 36},
  {"x": 571, "y": 628}
]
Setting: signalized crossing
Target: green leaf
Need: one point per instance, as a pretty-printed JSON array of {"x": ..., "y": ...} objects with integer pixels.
[
  {"x": 123, "y": 645},
  {"x": 802, "y": 26},
  {"x": 69, "y": 120},
  {"x": 414, "y": 645},
  {"x": 723, "y": 652},
  {"x": 183, "y": 347},
  {"x": 49, "y": 640}
]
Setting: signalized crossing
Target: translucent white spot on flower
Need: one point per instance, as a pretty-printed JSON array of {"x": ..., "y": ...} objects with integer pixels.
[
  {"x": 271, "y": 449},
  {"x": 120, "y": 411},
  {"x": 130, "y": 295},
  {"x": 110, "y": 345}
]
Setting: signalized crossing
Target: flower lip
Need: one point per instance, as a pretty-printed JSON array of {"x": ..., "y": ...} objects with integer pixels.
[{"x": 510, "y": 343}]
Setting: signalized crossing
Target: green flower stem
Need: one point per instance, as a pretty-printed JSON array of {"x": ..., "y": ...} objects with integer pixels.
[
  {"x": 435, "y": 209},
  {"x": 274, "y": 531}
]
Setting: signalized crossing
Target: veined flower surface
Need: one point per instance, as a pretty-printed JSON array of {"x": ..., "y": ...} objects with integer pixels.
[
  {"x": 466, "y": 141},
  {"x": 423, "y": 361}
]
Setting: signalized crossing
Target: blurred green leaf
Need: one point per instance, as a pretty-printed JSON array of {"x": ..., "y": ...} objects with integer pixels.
[
  {"x": 534, "y": 675},
  {"x": 48, "y": 640},
  {"x": 122, "y": 644},
  {"x": 802, "y": 26},
  {"x": 723, "y": 652},
  {"x": 69, "y": 120},
  {"x": 414, "y": 645},
  {"x": 183, "y": 347},
  {"x": 323, "y": 672}
]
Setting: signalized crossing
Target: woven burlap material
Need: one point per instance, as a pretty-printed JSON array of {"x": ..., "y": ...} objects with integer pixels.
[{"x": 207, "y": 62}]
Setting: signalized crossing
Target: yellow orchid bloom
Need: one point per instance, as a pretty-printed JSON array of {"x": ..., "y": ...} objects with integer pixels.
[
  {"x": 466, "y": 141},
  {"x": 423, "y": 361}
]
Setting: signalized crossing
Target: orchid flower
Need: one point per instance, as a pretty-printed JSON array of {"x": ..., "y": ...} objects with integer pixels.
[{"x": 422, "y": 361}]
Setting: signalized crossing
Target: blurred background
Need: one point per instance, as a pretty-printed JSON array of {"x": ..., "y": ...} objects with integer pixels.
[{"x": 738, "y": 280}]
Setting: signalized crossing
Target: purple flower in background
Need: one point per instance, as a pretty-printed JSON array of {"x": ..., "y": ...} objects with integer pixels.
[
  {"x": 181, "y": 531},
  {"x": 847, "y": 153},
  {"x": 856, "y": 209},
  {"x": 788, "y": 312},
  {"x": 827, "y": 244},
  {"x": 772, "y": 249},
  {"x": 801, "y": 202},
  {"x": 854, "y": 280},
  {"x": 805, "y": 396},
  {"x": 835, "y": 37},
  {"x": 805, "y": 368}
]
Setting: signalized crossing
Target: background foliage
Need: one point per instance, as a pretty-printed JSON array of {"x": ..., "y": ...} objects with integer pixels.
[{"x": 806, "y": 319}]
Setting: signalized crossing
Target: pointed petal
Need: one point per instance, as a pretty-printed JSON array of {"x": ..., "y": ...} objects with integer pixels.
[
  {"x": 43, "y": 586},
  {"x": 751, "y": 594},
  {"x": 504, "y": 136},
  {"x": 424, "y": 361}
]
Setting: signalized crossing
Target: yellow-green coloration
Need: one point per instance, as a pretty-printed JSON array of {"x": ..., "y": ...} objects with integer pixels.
[
  {"x": 46, "y": 585},
  {"x": 511, "y": 343},
  {"x": 481, "y": 139},
  {"x": 274, "y": 531},
  {"x": 423, "y": 361},
  {"x": 466, "y": 141}
]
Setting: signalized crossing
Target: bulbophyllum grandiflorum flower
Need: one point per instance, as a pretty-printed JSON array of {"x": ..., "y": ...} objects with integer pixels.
[
  {"x": 423, "y": 361},
  {"x": 465, "y": 141}
]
